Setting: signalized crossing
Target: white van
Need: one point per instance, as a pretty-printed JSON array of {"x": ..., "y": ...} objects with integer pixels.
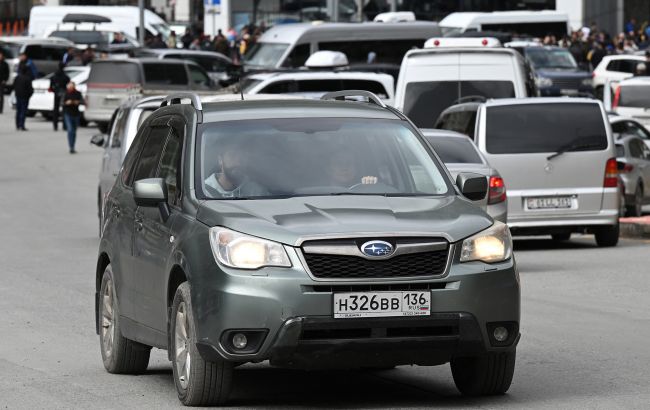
[
  {"x": 124, "y": 18},
  {"x": 450, "y": 71},
  {"x": 521, "y": 24},
  {"x": 289, "y": 45}
]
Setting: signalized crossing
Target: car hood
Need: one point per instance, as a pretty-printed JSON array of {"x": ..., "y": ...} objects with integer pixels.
[
  {"x": 563, "y": 73},
  {"x": 292, "y": 220}
]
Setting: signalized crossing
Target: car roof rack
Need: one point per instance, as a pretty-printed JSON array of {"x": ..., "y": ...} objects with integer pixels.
[
  {"x": 340, "y": 95},
  {"x": 85, "y": 18},
  {"x": 177, "y": 99}
]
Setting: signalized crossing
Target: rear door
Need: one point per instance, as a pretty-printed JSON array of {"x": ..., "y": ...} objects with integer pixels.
[
  {"x": 109, "y": 85},
  {"x": 520, "y": 141}
]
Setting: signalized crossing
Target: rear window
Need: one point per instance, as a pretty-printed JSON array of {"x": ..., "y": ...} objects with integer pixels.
[
  {"x": 424, "y": 101},
  {"x": 455, "y": 150},
  {"x": 635, "y": 96},
  {"x": 378, "y": 51},
  {"x": 83, "y": 37},
  {"x": 536, "y": 128},
  {"x": 165, "y": 74},
  {"x": 114, "y": 73}
]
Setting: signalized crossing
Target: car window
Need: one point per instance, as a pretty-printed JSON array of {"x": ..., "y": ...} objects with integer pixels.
[
  {"x": 619, "y": 127},
  {"x": 636, "y": 149},
  {"x": 541, "y": 57},
  {"x": 280, "y": 87},
  {"x": 459, "y": 121},
  {"x": 170, "y": 165},
  {"x": 265, "y": 54},
  {"x": 9, "y": 50},
  {"x": 34, "y": 51},
  {"x": 200, "y": 79},
  {"x": 634, "y": 96},
  {"x": 378, "y": 51},
  {"x": 129, "y": 163},
  {"x": 637, "y": 130},
  {"x": 83, "y": 36},
  {"x": 547, "y": 128},
  {"x": 628, "y": 66},
  {"x": 123, "y": 73},
  {"x": 620, "y": 151},
  {"x": 455, "y": 150},
  {"x": 53, "y": 53},
  {"x": 298, "y": 56},
  {"x": 164, "y": 74},
  {"x": 119, "y": 129},
  {"x": 613, "y": 65},
  {"x": 147, "y": 164}
]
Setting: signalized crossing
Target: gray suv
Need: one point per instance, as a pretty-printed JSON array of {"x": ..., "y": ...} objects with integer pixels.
[{"x": 312, "y": 234}]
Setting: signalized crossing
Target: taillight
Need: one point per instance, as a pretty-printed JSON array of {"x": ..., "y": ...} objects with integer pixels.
[
  {"x": 624, "y": 168},
  {"x": 497, "y": 192},
  {"x": 611, "y": 174},
  {"x": 617, "y": 97}
]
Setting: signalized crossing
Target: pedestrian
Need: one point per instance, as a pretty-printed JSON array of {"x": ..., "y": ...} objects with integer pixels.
[
  {"x": 69, "y": 55},
  {"x": 58, "y": 84},
  {"x": 187, "y": 38},
  {"x": 157, "y": 42},
  {"x": 72, "y": 99},
  {"x": 171, "y": 41},
  {"x": 23, "y": 59},
  {"x": 23, "y": 91},
  {"x": 4, "y": 77}
]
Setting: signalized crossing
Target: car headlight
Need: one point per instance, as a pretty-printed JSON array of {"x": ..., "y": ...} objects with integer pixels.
[
  {"x": 543, "y": 82},
  {"x": 238, "y": 250},
  {"x": 588, "y": 82},
  {"x": 491, "y": 245}
]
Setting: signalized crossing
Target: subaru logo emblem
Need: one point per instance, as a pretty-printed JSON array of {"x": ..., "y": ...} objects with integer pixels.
[{"x": 377, "y": 249}]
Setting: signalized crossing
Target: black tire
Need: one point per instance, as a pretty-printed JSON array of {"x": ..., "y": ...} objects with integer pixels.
[
  {"x": 206, "y": 383},
  {"x": 636, "y": 208},
  {"x": 82, "y": 121},
  {"x": 125, "y": 356},
  {"x": 562, "y": 236},
  {"x": 47, "y": 115},
  {"x": 486, "y": 375},
  {"x": 607, "y": 236},
  {"x": 599, "y": 92}
]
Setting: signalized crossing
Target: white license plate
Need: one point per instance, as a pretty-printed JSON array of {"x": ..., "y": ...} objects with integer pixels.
[
  {"x": 381, "y": 304},
  {"x": 550, "y": 202}
]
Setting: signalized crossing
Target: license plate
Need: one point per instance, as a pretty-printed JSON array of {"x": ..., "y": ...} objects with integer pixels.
[
  {"x": 381, "y": 304},
  {"x": 550, "y": 202}
]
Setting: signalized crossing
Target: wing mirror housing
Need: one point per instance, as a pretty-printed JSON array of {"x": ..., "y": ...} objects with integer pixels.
[
  {"x": 473, "y": 186},
  {"x": 98, "y": 139},
  {"x": 152, "y": 192}
]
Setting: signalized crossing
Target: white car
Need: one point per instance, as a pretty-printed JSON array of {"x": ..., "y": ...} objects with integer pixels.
[
  {"x": 628, "y": 127},
  {"x": 90, "y": 34},
  {"x": 614, "y": 68},
  {"x": 632, "y": 99}
]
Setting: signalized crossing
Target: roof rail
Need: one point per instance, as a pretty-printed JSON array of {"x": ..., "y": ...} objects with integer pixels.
[
  {"x": 340, "y": 95},
  {"x": 176, "y": 99}
]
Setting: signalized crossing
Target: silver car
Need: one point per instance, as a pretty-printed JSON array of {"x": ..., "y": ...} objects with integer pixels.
[
  {"x": 558, "y": 160},
  {"x": 633, "y": 158},
  {"x": 459, "y": 154}
]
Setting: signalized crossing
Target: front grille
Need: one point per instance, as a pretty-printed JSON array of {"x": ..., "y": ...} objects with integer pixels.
[
  {"x": 567, "y": 83},
  {"x": 430, "y": 263}
]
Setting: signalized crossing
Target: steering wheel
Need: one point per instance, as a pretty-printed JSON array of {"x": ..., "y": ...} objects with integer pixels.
[{"x": 378, "y": 188}]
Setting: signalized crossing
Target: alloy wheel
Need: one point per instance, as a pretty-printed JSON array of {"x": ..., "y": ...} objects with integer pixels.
[
  {"x": 181, "y": 345},
  {"x": 108, "y": 318}
]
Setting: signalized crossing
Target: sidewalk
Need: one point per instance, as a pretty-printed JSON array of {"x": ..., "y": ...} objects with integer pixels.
[{"x": 636, "y": 227}]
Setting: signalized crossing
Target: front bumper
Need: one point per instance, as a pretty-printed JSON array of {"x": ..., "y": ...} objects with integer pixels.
[
  {"x": 295, "y": 314},
  {"x": 556, "y": 91}
]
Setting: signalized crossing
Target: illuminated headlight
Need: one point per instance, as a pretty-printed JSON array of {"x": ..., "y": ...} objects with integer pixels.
[
  {"x": 543, "y": 82},
  {"x": 588, "y": 82},
  {"x": 492, "y": 245},
  {"x": 241, "y": 251}
]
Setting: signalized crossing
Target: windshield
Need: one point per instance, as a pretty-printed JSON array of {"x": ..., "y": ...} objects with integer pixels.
[
  {"x": 550, "y": 58},
  {"x": 163, "y": 29},
  {"x": 10, "y": 50},
  {"x": 634, "y": 96},
  {"x": 265, "y": 54},
  {"x": 455, "y": 150},
  {"x": 545, "y": 128},
  {"x": 273, "y": 158}
]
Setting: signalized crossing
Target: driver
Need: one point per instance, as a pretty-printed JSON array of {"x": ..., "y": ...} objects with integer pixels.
[
  {"x": 342, "y": 171},
  {"x": 231, "y": 179}
]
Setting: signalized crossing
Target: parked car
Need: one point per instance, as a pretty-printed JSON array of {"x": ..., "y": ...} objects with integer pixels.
[
  {"x": 633, "y": 158},
  {"x": 459, "y": 154},
  {"x": 538, "y": 145},
  {"x": 523, "y": 23},
  {"x": 628, "y": 127},
  {"x": 614, "y": 68},
  {"x": 556, "y": 72},
  {"x": 460, "y": 118},
  {"x": 632, "y": 99},
  {"x": 219, "y": 67},
  {"x": 111, "y": 82},
  {"x": 45, "y": 53},
  {"x": 240, "y": 232}
]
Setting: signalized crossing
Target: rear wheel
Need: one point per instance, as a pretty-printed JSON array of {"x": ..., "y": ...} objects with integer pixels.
[
  {"x": 636, "y": 207},
  {"x": 198, "y": 382},
  {"x": 562, "y": 236},
  {"x": 607, "y": 236},
  {"x": 484, "y": 375},
  {"x": 103, "y": 127}
]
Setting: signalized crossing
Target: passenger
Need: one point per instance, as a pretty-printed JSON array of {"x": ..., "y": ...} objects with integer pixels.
[
  {"x": 231, "y": 179},
  {"x": 342, "y": 171},
  {"x": 641, "y": 70}
]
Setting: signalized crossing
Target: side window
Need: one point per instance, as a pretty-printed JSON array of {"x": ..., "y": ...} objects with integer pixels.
[
  {"x": 34, "y": 52},
  {"x": 315, "y": 86},
  {"x": 148, "y": 162},
  {"x": 636, "y": 150},
  {"x": 637, "y": 130},
  {"x": 619, "y": 128},
  {"x": 628, "y": 66},
  {"x": 118, "y": 129},
  {"x": 298, "y": 56},
  {"x": 132, "y": 155},
  {"x": 170, "y": 164},
  {"x": 165, "y": 74},
  {"x": 441, "y": 123},
  {"x": 199, "y": 78},
  {"x": 53, "y": 53},
  {"x": 614, "y": 65},
  {"x": 280, "y": 87}
]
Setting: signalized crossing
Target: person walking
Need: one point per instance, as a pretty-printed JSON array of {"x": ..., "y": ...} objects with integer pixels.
[
  {"x": 72, "y": 99},
  {"x": 4, "y": 77},
  {"x": 23, "y": 90},
  {"x": 58, "y": 84}
]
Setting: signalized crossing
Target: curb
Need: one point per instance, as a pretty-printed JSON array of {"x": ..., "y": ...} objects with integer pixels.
[{"x": 638, "y": 228}]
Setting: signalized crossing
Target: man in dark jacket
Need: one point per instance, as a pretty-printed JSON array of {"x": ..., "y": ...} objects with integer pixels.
[
  {"x": 4, "y": 77},
  {"x": 23, "y": 91},
  {"x": 72, "y": 99},
  {"x": 58, "y": 84}
]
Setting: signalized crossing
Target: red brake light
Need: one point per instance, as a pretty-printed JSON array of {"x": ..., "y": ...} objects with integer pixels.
[
  {"x": 484, "y": 42},
  {"x": 497, "y": 191},
  {"x": 436, "y": 42},
  {"x": 624, "y": 168},
  {"x": 611, "y": 174},
  {"x": 617, "y": 97}
]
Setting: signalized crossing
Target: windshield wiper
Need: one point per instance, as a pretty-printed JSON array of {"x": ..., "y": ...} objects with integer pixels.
[{"x": 574, "y": 145}]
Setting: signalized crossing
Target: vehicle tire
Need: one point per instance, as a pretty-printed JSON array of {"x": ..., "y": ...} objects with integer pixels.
[
  {"x": 47, "y": 115},
  {"x": 119, "y": 354},
  {"x": 198, "y": 382},
  {"x": 489, "y": 374},
  {"x": 607, "y": 236},
  {"x": 561, "y": 237},
  {"x": 82, "y": 121},
  {"x": 30, "y": 113},
  {"x": 636, "y": 208},
  {"x": 102, "y": 127},
  {"x": 599, "y": 92}
]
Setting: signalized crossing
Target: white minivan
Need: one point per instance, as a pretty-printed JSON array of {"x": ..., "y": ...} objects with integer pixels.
[
  {"x": 519, "y": 23},
  {"x": 450, "y": 71}
]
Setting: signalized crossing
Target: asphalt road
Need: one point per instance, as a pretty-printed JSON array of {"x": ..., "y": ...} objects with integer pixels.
[{"x": 585, "y": 325}]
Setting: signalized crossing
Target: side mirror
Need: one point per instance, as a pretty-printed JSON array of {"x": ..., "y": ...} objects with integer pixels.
[
  {"x": 152, "y": 192},
  {"x": 98, "y": 139},
  {"x": 473, "y": 186}
]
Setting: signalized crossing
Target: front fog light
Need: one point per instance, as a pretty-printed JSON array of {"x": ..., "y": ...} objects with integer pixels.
[
  {"x": 500, "y": 334},
  {"x": 240, "y": 341},
  {"x": 491, "y": 245}
]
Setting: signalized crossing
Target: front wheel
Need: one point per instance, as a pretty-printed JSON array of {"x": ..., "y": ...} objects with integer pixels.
[
  {"x": 607, "y": 236},
  {"x": 198, "y": 382},
  {"x": 489, "y": 374},
  {"x": 636, "y": 208}
]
